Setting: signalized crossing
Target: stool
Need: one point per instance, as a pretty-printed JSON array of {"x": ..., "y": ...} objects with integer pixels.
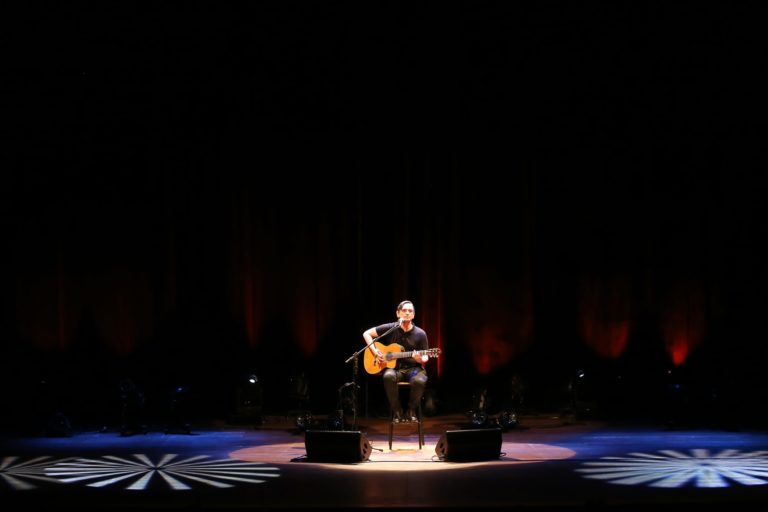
[{"x": 419, "y": 418}]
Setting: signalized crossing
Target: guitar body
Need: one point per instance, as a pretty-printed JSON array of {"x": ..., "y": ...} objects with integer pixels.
[
  {"x": 391, "y": 354},
  {"x": 369, "y": 361}
]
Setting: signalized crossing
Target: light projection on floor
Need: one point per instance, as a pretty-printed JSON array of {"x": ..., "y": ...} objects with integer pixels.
[
  {"x": 137, "y": 472},
  {"x": 21, "y": 474},
  {"x": 671, "y": 468}
]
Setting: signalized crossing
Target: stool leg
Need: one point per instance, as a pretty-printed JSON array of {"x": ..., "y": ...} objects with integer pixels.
[
  {"x": 421, "y": 428},
  {"x": 391, "y": 428}
]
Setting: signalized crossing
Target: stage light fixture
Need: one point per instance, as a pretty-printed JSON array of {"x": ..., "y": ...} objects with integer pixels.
[
  {"x": 132, "y": 408},
  {"x": 336, "y": 421},
  {"x": 249, "y": 399},
  {"x": 179, "y": 410},
  {"x": 479, "y": 418},
  {"x": 303, "y": 422},
  {"x": 508, "y": 420}
]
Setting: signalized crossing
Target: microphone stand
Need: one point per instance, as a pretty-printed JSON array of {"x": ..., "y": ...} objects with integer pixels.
[{"x": 354, "y": 385}]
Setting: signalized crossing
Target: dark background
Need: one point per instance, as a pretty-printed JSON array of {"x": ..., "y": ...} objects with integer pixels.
[{"x": 194, "y": 192}]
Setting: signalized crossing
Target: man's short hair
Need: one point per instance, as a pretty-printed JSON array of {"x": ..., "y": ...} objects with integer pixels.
[{"x": 400, "y": 306}]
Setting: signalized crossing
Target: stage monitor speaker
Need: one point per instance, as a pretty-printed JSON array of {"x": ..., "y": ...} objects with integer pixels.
[
  {"x": 469, "y": 445},
  {"x": 336, "y": 446}
]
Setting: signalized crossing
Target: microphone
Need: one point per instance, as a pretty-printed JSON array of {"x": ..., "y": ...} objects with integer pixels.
[{"x": 400, "y": 321}]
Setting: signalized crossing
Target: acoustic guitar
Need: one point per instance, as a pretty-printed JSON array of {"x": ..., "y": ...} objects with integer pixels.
[{"x": 391, "y": 354}]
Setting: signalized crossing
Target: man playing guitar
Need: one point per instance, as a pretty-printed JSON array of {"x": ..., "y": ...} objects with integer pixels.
[{"x": 406, "y": 369}]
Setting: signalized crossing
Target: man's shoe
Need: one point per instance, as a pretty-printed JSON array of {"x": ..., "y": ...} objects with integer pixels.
[
  {"x": 411, "y": 416},
  {"x": 397, "y": 417}
]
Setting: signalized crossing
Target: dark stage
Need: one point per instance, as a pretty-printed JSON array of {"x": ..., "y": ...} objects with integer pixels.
[
  {"x": 206, "y": 204},
  {"x": 544, "y": 463}
]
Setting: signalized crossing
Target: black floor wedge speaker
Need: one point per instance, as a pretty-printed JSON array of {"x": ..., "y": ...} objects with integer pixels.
[
  {"x": 469, "y": 445},
  {"x": 336, "y": 446}
]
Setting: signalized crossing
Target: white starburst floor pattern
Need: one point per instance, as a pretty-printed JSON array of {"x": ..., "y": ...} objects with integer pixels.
[
  {"x": 136, "y": 472},
  {"x": 672, "y": 468},
  {"x": 23, "y": 475}
]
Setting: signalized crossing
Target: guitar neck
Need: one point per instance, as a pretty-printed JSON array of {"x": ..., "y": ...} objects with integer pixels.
[{"x": 412, "y": 353}]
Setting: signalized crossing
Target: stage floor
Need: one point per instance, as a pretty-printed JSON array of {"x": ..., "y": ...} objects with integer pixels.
[{"x": 546, "y": 463}]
